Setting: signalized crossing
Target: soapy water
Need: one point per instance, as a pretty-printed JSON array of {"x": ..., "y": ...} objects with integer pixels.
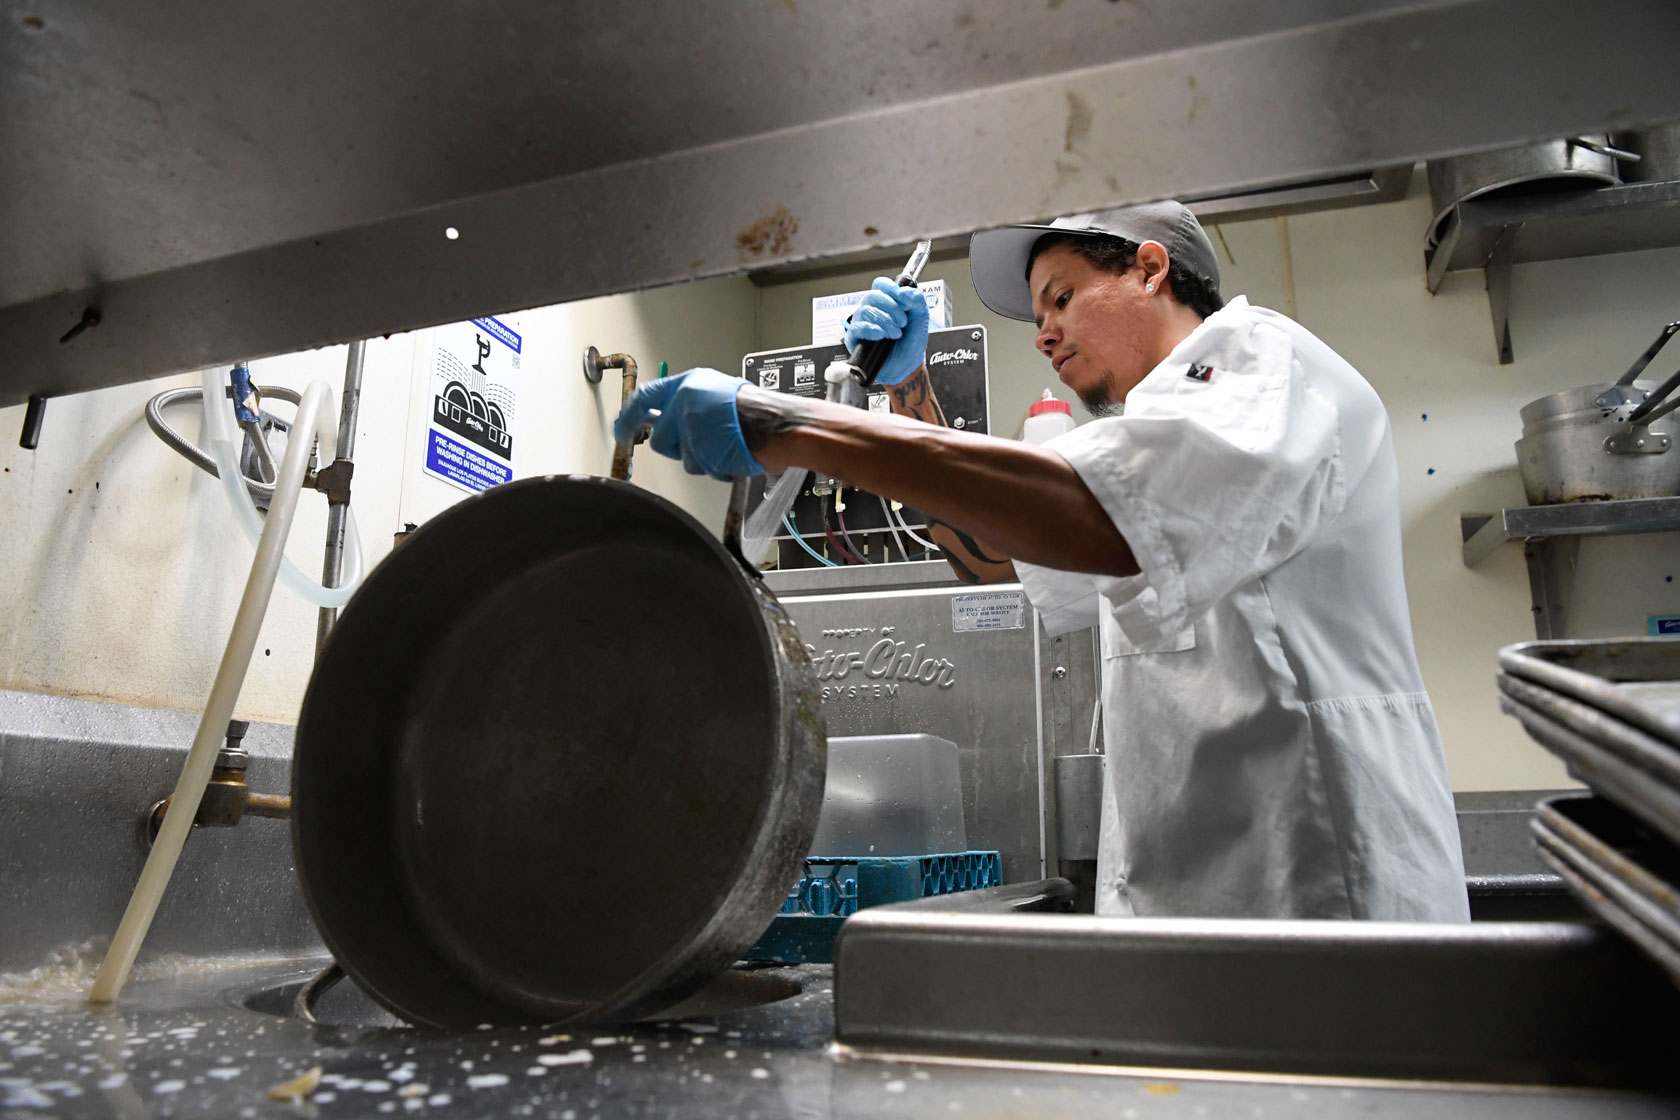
[{"x": 68, "y": 973}]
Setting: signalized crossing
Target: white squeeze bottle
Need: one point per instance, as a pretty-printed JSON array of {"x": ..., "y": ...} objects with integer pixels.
[{"x": 1047, "y": 419}]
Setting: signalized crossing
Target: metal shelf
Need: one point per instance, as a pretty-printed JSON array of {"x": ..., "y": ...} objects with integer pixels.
[
  {"x": 1494, "y": 234},
  {"x": 184, "y": 214},
  {"x": 1551, "y": 537}
]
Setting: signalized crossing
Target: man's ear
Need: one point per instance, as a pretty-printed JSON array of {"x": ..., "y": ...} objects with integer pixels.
[{"x": 1152, "y": 258}]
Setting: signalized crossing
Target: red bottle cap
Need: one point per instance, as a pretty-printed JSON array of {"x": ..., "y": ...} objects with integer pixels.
[{"x": 1049, "y": 404}]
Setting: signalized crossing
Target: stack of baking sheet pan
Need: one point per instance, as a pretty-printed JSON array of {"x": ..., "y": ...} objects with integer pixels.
[{"x": 1611, "y": 711}]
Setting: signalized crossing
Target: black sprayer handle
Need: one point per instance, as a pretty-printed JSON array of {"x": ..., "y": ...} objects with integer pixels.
[{"x": 868, "y": 356}]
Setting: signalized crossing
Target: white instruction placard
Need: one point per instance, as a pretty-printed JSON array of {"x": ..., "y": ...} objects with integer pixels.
[
  {"x": 989, "y": 610},
  {"x": 475, "y": 373},
  {"x": 829, "y": 313}
]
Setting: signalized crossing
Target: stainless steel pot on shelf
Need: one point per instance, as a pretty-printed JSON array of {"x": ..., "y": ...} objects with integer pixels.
[
  {"x": 1604, "y": 441},
  {"x": 1576, "y": 161}
]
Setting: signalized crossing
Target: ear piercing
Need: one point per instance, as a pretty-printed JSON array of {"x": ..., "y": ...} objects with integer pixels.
[{"x": 1149, "y": 289}]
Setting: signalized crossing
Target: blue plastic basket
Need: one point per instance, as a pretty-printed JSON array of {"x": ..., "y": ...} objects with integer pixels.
[{"x": 834, "y": 887}]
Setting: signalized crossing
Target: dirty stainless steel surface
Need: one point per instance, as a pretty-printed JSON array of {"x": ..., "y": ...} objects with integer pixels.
[
  {"x": 1001, "y": 700},
  {"x": 1622, "y": 872},
  {"x": 77, "y": 781},
  {"x": 1335, "y": 192},
  {"x": 1493, "y": 830},
  {"x": 1551, "y": 537},
  {"x": 194, "y": 1045},
  {"x": 605, "y": 829},
  {"x": 222, "y": 180},
  {"x": 1504, "y": 874},
  {"x": 1635, "y": 680},
  {"x": 1079, "y": 787},
  {"x": 1520, "y": 1002},
  {"x": 1484, "y": 532},
  {"x": 1633, "y": 769}
]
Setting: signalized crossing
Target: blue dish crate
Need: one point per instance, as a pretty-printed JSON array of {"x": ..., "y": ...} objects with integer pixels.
[{"x": 834, "y": 887}]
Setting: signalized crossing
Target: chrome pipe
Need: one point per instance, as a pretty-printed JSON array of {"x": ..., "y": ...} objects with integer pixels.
[{"x": 338, "y": 512}]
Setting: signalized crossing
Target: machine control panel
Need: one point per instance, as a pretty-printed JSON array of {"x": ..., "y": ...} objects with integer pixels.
[{"x": 860, "y": 527}]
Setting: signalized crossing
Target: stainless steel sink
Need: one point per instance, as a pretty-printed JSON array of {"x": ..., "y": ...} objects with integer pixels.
[
  {"x": 330, "y": 1000},
  {"x": 77, "y": 780}
]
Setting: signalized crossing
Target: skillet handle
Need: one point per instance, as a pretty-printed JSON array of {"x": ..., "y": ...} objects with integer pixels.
[{"x": 739, "y": 492}]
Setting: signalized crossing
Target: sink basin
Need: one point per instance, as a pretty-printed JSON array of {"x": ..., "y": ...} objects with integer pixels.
[
  {"x": 77, "y": 779},
  {"x": 339, "y": 1003}
]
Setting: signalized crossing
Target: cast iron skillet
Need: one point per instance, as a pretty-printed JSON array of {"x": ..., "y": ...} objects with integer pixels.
[{"x": 560, "y": 760}]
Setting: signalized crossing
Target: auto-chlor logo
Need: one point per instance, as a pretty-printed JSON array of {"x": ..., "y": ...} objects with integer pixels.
[{"x": 886, "y": 664}]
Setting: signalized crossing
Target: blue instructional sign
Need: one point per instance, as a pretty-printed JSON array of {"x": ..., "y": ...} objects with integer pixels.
[
  {"x": 500, "y": 331},
  {"x": 475, "y": 375},
  {"x": 460, "y": 464}
]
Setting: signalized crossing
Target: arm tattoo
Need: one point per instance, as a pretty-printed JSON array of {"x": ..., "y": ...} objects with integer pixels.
[
  {"x": 914, "y": 397},
  {"x": 958, "y": 568},
  {"x": 762, "y": 420},
  {"x": 969, "y": 543}
]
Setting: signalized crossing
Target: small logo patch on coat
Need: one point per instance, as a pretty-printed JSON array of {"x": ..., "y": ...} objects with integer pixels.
[{"x": 1200, "y": 373}]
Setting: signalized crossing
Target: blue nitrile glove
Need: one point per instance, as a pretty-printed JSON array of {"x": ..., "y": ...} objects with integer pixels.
[
  {"x": 889, "y": 311},
  {"x": 697, "y": 424}
]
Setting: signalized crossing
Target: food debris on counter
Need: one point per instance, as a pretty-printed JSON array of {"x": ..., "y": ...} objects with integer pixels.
[{"x": 298, "y": 1087}]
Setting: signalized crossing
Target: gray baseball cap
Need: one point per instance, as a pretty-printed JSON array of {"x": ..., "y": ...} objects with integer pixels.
[{"x": 997, "y": 258}]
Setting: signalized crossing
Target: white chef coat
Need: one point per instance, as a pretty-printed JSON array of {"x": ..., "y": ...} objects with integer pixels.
[{"x": 1271, "y": 749}]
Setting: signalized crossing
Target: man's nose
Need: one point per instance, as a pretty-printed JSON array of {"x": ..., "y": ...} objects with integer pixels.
[{"x": 1048, "y": 335}]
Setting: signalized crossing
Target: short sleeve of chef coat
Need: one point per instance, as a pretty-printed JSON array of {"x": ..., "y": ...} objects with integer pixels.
[{"x": 1225, "y": 464}]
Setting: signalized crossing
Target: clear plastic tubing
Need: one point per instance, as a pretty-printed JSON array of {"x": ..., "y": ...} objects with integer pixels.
[
  {"x": 314, "y": 414},
  {"x": 221, "y": 433}
]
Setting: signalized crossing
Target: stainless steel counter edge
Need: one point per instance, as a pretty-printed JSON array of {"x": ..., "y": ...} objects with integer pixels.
[{"x": 1522, "y": 1002}]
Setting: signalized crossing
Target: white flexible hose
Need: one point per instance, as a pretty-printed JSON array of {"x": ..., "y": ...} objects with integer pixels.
[
  {"x": 892, "y": 528},
  {"x": 219, "y": 429},
  {"x": 314, "y": 413},
  {"x": 898, "y": 515}
]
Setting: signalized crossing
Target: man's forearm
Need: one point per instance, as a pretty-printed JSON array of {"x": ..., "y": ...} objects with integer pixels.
[
  {"x": 1021, "y": 499},
  {"x": 971, "y": 560}
]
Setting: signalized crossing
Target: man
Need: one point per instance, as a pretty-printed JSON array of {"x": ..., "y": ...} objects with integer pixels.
[{"x": 1234, "y": 534}]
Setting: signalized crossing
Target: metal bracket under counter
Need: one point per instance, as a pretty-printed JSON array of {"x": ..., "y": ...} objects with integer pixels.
[{"x": 1551, "y": 537}]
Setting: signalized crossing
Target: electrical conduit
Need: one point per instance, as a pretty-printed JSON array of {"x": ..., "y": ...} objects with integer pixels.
[{"x": 314, "y": 415}]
